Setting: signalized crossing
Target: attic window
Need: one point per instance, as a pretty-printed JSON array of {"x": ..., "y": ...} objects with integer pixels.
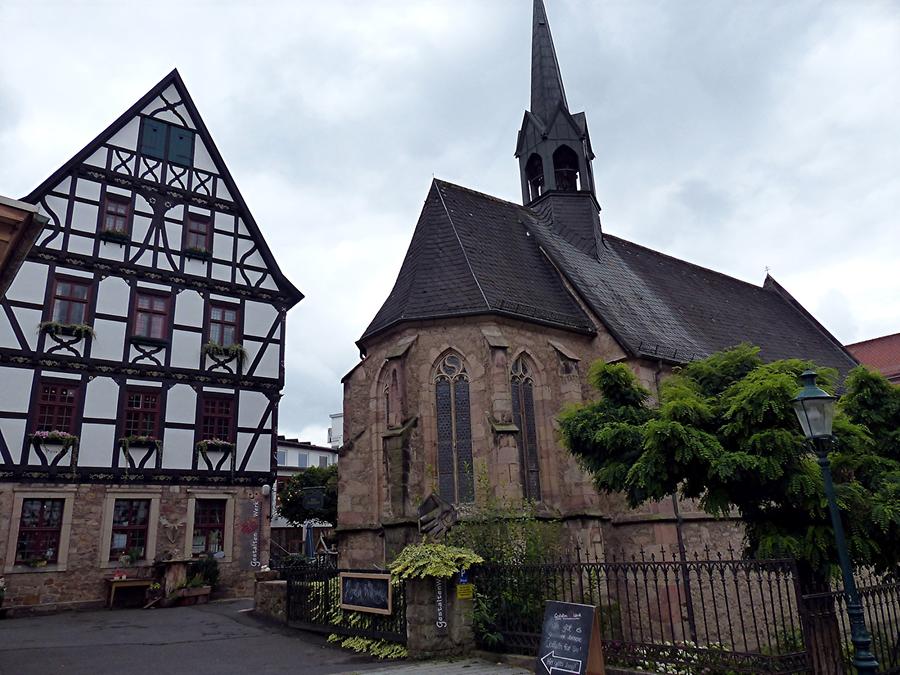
[{"x": 161, "y": 140}]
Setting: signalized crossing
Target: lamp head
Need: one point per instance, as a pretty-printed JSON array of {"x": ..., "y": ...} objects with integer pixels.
[{"x": 814, "y": 407}]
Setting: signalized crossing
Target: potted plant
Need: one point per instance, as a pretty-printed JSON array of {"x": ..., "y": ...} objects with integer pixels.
[
  {"x": 128, "y": 442},
  {"x": 197, "y": 252},
  {"x": 81, "y": 330},
  {"x": 215, "y": 446},
  {"x": 114, "y": 235},
  {"x": 234, "y": 351}
]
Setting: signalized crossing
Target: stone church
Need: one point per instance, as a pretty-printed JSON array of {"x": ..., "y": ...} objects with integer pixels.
[{"x": 495, "y": 317}]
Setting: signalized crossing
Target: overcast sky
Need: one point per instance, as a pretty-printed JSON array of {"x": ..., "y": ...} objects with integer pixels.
[{"x": 738, "y": 135}]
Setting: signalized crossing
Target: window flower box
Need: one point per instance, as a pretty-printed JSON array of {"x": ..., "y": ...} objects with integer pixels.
[
  {"x": 235, "y": 351},
  {"x": 81, "y": 330},
  {"x": 197, "y": 252},
  {"x": 139, "y": 442},
  {"x": 146, "y": 340},
  {"x": 53, "y": 443},
  {"x": 115, "y": 236},
  {"x": 214, "y": 445}
]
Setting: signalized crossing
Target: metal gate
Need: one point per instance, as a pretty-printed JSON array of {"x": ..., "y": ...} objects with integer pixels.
[{"x": 314, "y": 603}]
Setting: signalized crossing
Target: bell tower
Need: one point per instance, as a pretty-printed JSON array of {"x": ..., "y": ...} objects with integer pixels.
[{"x": 554, "y": 147}]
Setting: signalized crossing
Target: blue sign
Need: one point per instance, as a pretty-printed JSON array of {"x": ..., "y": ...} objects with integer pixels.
[{"x": 464, "y": 576}]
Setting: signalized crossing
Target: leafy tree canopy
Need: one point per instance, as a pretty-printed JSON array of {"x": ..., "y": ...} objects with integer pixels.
[
  {"x": 725, "y": 433},
  {"x": 290, "y": 495}
]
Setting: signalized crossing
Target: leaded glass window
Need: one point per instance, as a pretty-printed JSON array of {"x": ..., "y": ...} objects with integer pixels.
[
  {"x": 454, "y": 431},
  {"x": 522, "y": 386}
]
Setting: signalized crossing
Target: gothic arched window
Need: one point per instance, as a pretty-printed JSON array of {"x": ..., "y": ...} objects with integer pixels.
[
  {"x": 565, "y": 169},
  {"x": 454, "y": 431},
  {"x": 522, "y": 386},
  {"x": 534, "y": 174}
]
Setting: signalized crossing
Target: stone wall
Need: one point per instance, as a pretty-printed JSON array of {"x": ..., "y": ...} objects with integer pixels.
[
  {"x": 82, "y": 582},
  {"x": 390, "y": 440},
  {"x": 270, "y": 600},
  {"x": 424, "y": 638}
]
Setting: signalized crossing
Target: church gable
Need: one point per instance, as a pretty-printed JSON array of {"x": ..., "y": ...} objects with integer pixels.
[{"x": 152, "y": 191}]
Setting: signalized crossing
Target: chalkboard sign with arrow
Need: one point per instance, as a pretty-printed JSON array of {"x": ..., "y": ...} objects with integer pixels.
[{"x": 570, "y": 641}]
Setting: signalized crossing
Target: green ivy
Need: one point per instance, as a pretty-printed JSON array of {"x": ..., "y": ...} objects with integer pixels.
[
  {"x": 417, "y": 561},
  {"x": 381, "y": 649}
]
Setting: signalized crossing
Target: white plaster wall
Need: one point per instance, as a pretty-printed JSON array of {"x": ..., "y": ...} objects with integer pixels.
[
  {"x": 146, "y": 258},
  {"x": 14, "y": 434},
  {"x": 75, "y": 272},
  {"x": 126, "y": 193},
  {"x": 222, "y": 192},
  {"x": 29, "y": 283},
  {"x": 63, "y": 186},
  {"x": 110, "y": 340},
  {"x": 176, "y": 212},
  {"x": 186, "y": 349},
  {"x": 260, "y": 459},
  {"x": 174, "y": 232},
  {"x": 96, "y": 444},
  {"x": 224, "y": 221},
  {"x": 252, "y": 405},
  {"x": 15, "y": 390},
  {"x": 221, "y": 272},
  {"x": 112, "y": 296},
  {"x": 222, "y": 246},
  {"x": 101, "y": 398},
  {"x": 89, "y": 189},
  {"x": 202, "y": 159},
  {"x": 258, "y": 318},
  {"x": 181, "y": 404},
  {"x": 29, "y": 320},
  {"x": 139, "y": 228},
  {"x": 242, "y": 228},
  {"x": 269, "y": 284},
  {"x": 81, "y": 245},
  {"x": 7, "y": 336},
  {"x": 127, "y": 136},
  {"x": 178, "y": 448},
  {"x": 65, "y": 375},
  {"x": 98, "y": 158},
  {"x": 189, "y": 309},
  {"x": 138, "y": 357},
  {"x": 195, "y": 267},
  {"x": 111, "y": 251},
  {"x": 268, "y": 365},
  {"x": 84, "y": 216}
]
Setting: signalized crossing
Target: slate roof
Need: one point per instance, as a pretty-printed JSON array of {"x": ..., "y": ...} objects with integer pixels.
[
  {"x": 882, "y": 354},
  {"x": 474, "y": 254}
]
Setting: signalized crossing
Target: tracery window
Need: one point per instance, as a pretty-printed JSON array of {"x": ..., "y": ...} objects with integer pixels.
[
  {"x": 454, "y": 431},
  {"x": 522, "y": 386}
]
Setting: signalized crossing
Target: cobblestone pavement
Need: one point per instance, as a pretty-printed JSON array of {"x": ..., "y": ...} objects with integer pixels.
[{"x": 463, "y": 667}]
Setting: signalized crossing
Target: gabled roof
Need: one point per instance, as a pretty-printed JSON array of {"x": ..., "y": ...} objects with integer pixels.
[
  {"x": 882, "y": 354},
  {"x": 174, "y": 79},
  {"x": 20, "y": 224},
  {"x": 473, "y": 254}
]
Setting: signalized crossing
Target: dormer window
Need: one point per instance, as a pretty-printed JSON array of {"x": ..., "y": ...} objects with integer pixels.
[{"x": 160, "y": 140}]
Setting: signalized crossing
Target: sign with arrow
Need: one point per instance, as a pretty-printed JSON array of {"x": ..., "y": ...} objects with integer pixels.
[{"x": 570, "y": 641}]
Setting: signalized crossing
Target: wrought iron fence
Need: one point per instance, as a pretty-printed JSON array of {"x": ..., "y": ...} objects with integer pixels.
[
  {"x": 314, "y": 603},
  {"x": 698, "y": 615},
  {"x": 830, "y": 643}
]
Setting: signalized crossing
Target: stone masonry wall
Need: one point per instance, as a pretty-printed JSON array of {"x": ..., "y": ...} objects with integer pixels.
[{"x": 82, "y": 583}]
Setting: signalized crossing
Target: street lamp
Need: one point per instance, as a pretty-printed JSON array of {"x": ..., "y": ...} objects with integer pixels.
[{"x": 815, "y": 410}]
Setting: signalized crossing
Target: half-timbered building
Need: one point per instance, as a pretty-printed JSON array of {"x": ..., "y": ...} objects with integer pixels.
[{"x": 141, "y": 362}]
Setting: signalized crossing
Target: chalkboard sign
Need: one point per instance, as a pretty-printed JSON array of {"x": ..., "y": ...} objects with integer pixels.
[
  {"x": 366, "y": 592},
  {"x": 570, "y": 641}
]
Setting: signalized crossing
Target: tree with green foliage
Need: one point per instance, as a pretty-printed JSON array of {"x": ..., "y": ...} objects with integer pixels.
[
  {"x": 724, "y": 433},
  {"x": 290, "y": 495}
]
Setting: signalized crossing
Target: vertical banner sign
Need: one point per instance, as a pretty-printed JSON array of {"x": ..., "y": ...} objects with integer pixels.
[
  {"x": 440, "y": 606},
  {"x": 570, "y": 641},
  {"x": 250, "y": 524}
]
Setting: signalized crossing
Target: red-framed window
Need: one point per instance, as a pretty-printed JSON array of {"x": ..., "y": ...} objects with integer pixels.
[
  {"x": 56, "y": 406},
  {"x": 39, "y": 530},
  {"x": 198, "y": 232},
  {"x": 209, "y": 527},
  {"x": 217, "y": 418},
  {"x": 131, "y": 518},
  {"x": 151, "y": 315},
  {"x": 141, "y": 416},
  {"x": 70, "y": 300},
  {"x": 223, "y": 324},
  {"x": 116, "y": 209}
]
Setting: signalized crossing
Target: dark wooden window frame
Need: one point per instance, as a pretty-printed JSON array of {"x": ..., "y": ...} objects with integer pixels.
[
  {"x": 202, "y": 434},
  {"x": 73, "y": 406},
  {"x": 135, "y": 311},
  {"x": 165, "y": 152},
  {"x": 127, "y": 430},
  {"x": 139, "y": 531},
  {"x": 55, "y": 298},
  {"x": 206, "y": 526},
  {"x": 114, "y": 197},
  {"x": 45, "y": 534},
  {"x": 238, "y": 321},
  {"x": 190, "y": 218}
]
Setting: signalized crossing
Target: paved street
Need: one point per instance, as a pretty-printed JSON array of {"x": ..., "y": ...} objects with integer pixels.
[{"x": 214, "y": 639}]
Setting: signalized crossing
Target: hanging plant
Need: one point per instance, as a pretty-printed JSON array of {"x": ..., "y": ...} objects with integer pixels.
[
  {"x": 235, "y": 351},
  {"x": 139, "y": 442},
  {"x": 66, "y": 439},
  {"x": 81, "y": 330},
  {"x": 214, "y": 445},
  {"x": 197, "y": 252},
  {"x": 115, "y": 236}
]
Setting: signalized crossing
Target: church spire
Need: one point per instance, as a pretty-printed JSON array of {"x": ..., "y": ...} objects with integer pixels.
[{"x": 547, "y": 90}]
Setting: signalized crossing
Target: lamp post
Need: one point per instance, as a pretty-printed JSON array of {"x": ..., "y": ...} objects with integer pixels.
[{"x": 815, "y": 410}]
